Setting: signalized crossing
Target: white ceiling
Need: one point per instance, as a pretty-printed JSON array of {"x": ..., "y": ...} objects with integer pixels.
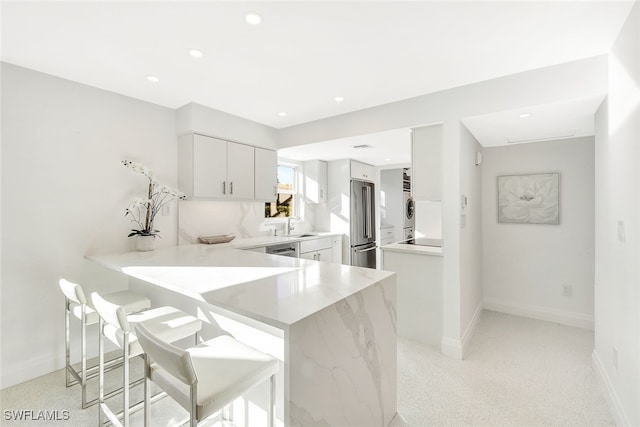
[
  {"x": 569, "y": 119},
  {"x": 303, "y": 54},
  {"x": 383, "y": 148}
]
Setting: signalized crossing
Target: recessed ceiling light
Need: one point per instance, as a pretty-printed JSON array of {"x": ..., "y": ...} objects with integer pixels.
[
  {"x": 387, "y": 159},
  {"x": 282, "y": 114},
  {"x": 253, "y": 18},
  {"x": 195, "y": 53},
  {"x": 338, "y": 98},
  {"x": 153, "y": 79},
  {"x": 525, "y": 115}
]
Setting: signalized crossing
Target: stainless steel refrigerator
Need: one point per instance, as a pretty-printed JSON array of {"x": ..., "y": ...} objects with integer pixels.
[{"x": 363, "y": 227}]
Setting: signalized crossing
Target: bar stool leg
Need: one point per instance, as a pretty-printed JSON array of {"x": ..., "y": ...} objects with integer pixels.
[
  {"x": 67, "y": 356},
  {"x": 83, "y": 343},
  {"x": 100, "y": 372},
  {"x": 125, "y": 382},
  {"x": 193, "y": 413},
  {"x": 272, "y": 403},
  {"x": 147, "y": 390}
]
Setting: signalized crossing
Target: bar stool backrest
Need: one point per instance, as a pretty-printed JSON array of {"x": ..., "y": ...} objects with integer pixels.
[
  {"x": 73, "y": 291},
  {"x": 173, "y": 360},
  {"x": 111, "y": 313}
]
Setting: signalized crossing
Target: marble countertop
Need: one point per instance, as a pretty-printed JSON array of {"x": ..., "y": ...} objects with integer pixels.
[
  {"x": 272, "y": 289},
  {"x": 255, "y": 242},
  {"x": 413, "y": 249}
]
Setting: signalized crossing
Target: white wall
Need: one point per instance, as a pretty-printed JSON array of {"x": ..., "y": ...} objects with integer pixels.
[
  {"x": 428, "y": 219},
  {"x": 617, "y": 275},
  {"x": 471, "y": 237},
  {"x": 391, "y": 201},
  {"x": 527, "y": 265},
  {"x": 62, "y": 143},
  {"x": 567, "y": 81}
]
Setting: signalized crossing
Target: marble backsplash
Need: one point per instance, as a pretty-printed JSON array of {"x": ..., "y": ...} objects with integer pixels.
[
  {"x": 244, "y": 219},
  {"x": 205, "y": 218}
]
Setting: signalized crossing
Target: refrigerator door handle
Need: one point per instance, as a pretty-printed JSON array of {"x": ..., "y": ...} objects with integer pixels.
[
  {"x": 369, "y": 212},
  {"x": 368, "y": 207},
  {"x": 365, "y": 250},
  {"x": 365, "y": 208}
]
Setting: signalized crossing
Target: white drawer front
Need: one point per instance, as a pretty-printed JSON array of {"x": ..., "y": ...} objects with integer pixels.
[
  {"x": 387, "y": 233},
  {"x": 315, "y": 244}
]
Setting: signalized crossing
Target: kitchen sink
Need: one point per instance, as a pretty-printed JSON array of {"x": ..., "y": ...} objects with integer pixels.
[{"x": 303, "y": 235}]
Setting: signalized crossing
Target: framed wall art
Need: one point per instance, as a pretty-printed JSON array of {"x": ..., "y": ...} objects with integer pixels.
[{"x": 529, "y": 199}]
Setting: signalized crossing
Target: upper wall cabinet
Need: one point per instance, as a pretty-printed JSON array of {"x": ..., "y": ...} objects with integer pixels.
[
  {"x": 266, "y": 174},
  {"x": 426, "y": 180},
  {"x": 362, "y": 171},
  {"x": 315, "y": 181},
  {"x": 211, "y": 168},
  {"x": 240, "y": 171}
]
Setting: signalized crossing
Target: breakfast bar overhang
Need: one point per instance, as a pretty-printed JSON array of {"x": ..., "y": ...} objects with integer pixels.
[{"x": 338, "y": 323}]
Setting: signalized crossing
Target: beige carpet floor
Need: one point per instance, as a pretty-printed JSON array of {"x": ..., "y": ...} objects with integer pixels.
[{"x": 518, "y": 372}]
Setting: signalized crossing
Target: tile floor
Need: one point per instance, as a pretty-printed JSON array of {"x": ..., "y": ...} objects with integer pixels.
[{"x": 519, "y": 372}]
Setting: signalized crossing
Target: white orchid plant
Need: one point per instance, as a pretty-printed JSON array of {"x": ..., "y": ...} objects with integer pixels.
[{"x": 143, "y": 211}]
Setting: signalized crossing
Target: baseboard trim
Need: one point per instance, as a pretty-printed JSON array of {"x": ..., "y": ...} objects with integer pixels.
[
  {"x": 471, "y": 329},
  {"x": 567, "y": 318},
  {"x": 26, "y": 370},
  {"x": 451, "y": 347},
  {"x": 457, "y": 348},
  {"x": 609, "y": 391}
]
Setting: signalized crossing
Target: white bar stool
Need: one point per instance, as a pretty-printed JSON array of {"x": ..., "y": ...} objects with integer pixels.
[
  {"x": 168, "y": 322},
  {"x": 205, "y": 378},
  {"x": 76, "y": 304}
]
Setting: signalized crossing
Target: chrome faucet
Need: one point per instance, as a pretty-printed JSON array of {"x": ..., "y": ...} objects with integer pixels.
[{"x": 289, "y": 226}]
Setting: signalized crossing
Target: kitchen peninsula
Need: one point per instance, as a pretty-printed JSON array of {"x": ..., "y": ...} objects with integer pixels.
[{"x": 337, "y": 323}]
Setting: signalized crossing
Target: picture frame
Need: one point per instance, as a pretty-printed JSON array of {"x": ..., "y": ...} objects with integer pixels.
[{"x": 529, "y": 198}]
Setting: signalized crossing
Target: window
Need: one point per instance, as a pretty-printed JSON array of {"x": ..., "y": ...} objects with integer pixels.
[{"x": 285, "y": 203}]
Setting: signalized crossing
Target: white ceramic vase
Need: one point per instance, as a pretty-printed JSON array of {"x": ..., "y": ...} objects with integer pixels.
[{"x": 145, "y": 243}]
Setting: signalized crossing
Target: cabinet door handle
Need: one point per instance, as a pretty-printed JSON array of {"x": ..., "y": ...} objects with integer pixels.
[
  {"x": 321, "y": 193},
  {"x": 275, "y": 190},
  {"x": 224, "y": 187},
  {"x": 319, "y": 256},
  {"x": 231, "y": 188},
  {"x": 315, "y": 256}
]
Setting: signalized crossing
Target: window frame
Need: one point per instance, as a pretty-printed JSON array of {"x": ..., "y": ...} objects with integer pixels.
[{"x": 295, "y": 192}]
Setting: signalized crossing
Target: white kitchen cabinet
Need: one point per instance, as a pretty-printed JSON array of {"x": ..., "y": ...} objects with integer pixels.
[
  {"x": 336, "y": 249},
  {"x": 387, "y": 235},
  {"x": 419, "y": 294},
  {"x": 362, "y": 171},
  {"x": 266, "y": 174},
  {"x": 211, "y": 168},
  {"x": 202, "y": 166},
  {"x": 240, "y": 172},
  {"x": 426, "y": 180},
  {"x": 319, "y": 255},
  {"x": 317, "y": 249},
  {"x": 315, "y": 181}
]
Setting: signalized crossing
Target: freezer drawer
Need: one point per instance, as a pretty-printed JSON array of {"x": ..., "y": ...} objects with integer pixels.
[{"x": 363, "y": 256}]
